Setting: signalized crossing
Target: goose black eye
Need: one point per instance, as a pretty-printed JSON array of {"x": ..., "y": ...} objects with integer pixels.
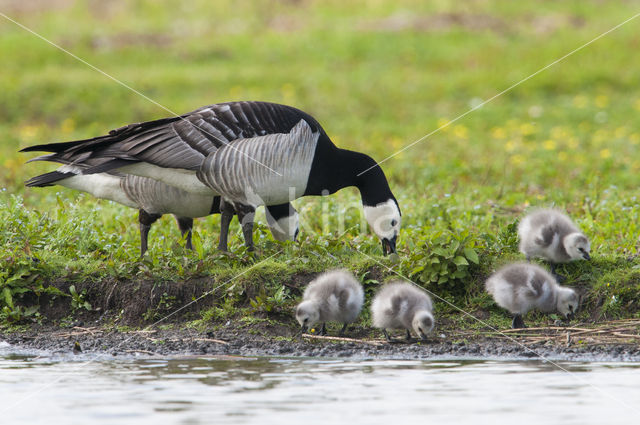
[
  {"x": 581, "y": 249},
  {"x": 393, "y": 222}
]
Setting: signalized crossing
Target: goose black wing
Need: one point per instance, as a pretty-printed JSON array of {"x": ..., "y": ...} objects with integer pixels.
[{"x": 179, "y": 142}]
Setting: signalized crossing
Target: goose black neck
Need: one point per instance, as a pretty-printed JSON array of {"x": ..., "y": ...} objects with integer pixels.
[{"x": 334, "y": 169}]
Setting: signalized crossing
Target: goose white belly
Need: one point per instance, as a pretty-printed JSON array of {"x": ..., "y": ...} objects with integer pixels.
[
  {"x": 100, "y": 185},
  {"x": 264, "y": 170},
  {"x": 177, "y": 177}
]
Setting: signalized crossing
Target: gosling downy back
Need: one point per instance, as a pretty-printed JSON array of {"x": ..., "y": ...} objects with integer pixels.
[
  {"x": 551, "y": 235},
  {"x": 333, "y": 296},
  {"x": 401, "y": 305}
]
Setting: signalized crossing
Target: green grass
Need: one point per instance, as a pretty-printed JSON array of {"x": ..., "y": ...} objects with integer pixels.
[{"x": 378, "y": 77}]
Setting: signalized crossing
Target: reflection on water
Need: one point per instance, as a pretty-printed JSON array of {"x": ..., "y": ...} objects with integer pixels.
[{"x": 38, "y": 388}]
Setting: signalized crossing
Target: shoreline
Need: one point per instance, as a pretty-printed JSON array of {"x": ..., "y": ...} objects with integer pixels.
[{"x": 231, "y": 341}]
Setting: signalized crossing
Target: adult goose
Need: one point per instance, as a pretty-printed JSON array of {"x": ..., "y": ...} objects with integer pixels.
[
  {"x": 153, "y": 199},
  {"x": 249, "y": 153}
]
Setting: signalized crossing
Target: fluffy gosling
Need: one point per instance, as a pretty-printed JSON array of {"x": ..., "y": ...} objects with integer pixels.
[
  {"x": 333, "y": 296},
  {"x": 521, "y": 287},
  {"x": 551, "y": 235},
  {"x": 401, "y": 305}
]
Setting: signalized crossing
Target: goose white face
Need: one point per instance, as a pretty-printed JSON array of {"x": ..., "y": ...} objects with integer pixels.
[
  {"x": 577, "y": 246},
  {"x": 422, "y": 324},
  {"x": 307, "y": 314},
  {"x": 384, "y": 219},
  {"x": 567, "y": 302}
]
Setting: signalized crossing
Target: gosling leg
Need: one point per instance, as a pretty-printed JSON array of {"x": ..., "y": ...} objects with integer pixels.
[
  {"x": 344, "y": 328},
  {"x": 517, "y": 323}
]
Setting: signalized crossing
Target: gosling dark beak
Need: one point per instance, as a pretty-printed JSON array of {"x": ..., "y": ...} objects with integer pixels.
[
  {"x": 570, "y": 316},
  {"x": 303, "y": 329},
  {"x": 295, "y": 236},
  {"x": 423, "y": 336},
  {"x": 389, "y": 245},
  {"x": 586, "y": 256}
]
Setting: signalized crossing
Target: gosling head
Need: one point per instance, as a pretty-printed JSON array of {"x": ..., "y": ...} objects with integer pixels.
[
  {"x": 567, "y": 303},
  {"x": 286, "y": 227},
  {"x": 307, "y": 314},
  {"x": 384, "y": 219},
  {"x": 422, "y": 324},
  {"x": 577, "y": 246}
]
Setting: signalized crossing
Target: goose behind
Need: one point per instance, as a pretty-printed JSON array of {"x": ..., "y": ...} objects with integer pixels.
[{"x": 334, "y": 296}]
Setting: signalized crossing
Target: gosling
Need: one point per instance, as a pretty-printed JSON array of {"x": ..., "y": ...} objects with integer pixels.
[
  {"x": 551, "y": 235},
  {"x": 401, "y": 305},
  {"x": 333, "y": 296},
  {"x": 521, "y": 287}
]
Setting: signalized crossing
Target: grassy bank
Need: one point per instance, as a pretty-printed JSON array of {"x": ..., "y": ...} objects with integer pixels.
[{"x": 378, "y": 77}]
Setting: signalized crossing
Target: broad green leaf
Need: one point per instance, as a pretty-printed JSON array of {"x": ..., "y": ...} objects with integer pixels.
[{"x": 471, "y": 255}]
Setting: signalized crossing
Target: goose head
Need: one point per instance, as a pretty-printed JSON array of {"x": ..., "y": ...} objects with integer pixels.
[
  {"x": 577, "y": 246},
  {"x": 285, "y": 228},
  {"x": 422, "y": 324},
  {"x": 567, "y": 303},
  {"x": 384, "y": 219},
  {"x": 307, "y": 314}
]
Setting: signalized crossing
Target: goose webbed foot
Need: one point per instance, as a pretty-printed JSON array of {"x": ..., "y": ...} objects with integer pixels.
[
  {"x": 408, "y": 337},
  {"x": 517, "y": 323}
]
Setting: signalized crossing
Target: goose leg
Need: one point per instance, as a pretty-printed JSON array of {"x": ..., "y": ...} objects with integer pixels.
[
  {"x": 558, "y": 277},
  {"x": 518, "y": 323},
  {"x": 342, "y": 331},
  {"x": 323, "y": 329},
  {"x": 246, "y": 213},
  {"x": 226, "y": 215},
  {"x": 146, "y": 220},
  {"x": 386, "y": 335},
  {"x": 408, "y": 335},
  {"x": 185, "y": 224}
]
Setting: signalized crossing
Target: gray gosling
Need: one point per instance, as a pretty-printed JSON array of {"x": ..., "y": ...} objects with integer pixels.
[
  {"x": 521, "y": 287},
  {"x": 551, "y": 235},
  {"x": 334, "y": 296},
  {"x": 401, "y": 305}
]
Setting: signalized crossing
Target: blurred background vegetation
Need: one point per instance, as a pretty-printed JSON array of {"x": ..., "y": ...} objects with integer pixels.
[{"x": 378, "y": 75}]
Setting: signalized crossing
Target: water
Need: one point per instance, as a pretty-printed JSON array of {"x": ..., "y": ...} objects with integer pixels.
[{"x": 50, "y": 389}]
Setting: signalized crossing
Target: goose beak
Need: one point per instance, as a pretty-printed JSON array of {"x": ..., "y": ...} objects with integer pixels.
[
  {"x": 586, "y": 256},
  {"x": 389, "y": 245}
]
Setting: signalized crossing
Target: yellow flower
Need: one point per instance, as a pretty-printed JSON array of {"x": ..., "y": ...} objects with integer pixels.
[
  {"x": 28, "y": 132},
  {"x": 636, "y": 105},
  {"x": 549, "y": 144},
  {"x": 605, "y": 153},
  {"x": 461, "y": 131},
  {"x": 527, "y": 128},
  {"x": 443, "y": 123},
  {"x": 67, "y": 126},
  {"x": 510, "y": 146},
  {"x": 235, "y": 92},
  {"x": 562, "y": 156},
  {"x": 288, "y": 91},
  {"x": 498, "y": 133},
  {"x": 573, "y": 143},
  {"x": 634, "y": 138},
  {"x": 580, "y": 101},
  {"x": 559, "y": 133},
  {"x": 620, "y": 132},
  {"x": 516, "y": 159},
  {"x": 602, "y": 101}
]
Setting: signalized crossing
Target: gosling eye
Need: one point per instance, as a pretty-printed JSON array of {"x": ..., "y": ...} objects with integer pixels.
[
  {"x": 305, "y": 320},
  {"x": 394, "y": 222}
]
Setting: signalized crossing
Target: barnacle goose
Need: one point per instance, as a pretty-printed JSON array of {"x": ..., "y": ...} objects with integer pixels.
[
  {"x": 401, "y": 305},
  {"x": 521, "y": 287},
  {"x": 333, "y": 296},
  {"x": 249, "y": 153},
  {"x": 153, "y": 199},
  {"x": 551, "y": 235}
]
